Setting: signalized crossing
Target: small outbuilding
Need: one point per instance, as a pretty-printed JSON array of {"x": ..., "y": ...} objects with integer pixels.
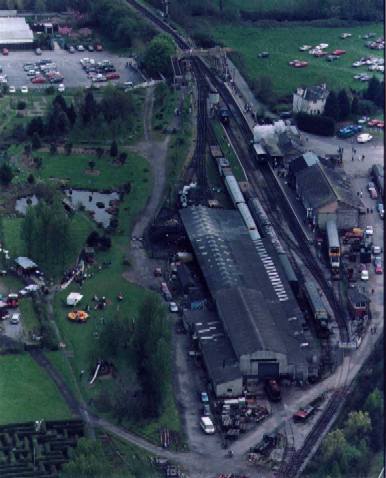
[{"x": 25, "y": 266}]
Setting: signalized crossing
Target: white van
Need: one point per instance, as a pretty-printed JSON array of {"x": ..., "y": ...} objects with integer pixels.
[
  {"x": 15, "y": 319},
  {"x": 207, "y": 425}
]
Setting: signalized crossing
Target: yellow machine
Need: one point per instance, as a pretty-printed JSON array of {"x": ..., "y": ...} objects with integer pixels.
[{"x": 78, "y": 316}]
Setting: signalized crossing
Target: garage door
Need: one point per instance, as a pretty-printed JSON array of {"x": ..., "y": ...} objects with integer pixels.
[{"x": 268, "y": 369}]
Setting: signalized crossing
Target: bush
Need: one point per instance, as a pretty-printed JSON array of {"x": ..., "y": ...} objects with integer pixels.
[
  {"x": 366, "y": 108},
  {"x": 321, "y": 125},
  {"x": 21, "y": 105}
]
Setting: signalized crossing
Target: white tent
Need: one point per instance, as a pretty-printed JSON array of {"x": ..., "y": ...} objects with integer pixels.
[{"x": 73, "y": 298}]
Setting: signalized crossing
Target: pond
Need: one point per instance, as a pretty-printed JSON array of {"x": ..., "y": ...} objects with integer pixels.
[
  {"x": 100, "y": 205},
  {"x": 23, "y": 203}
]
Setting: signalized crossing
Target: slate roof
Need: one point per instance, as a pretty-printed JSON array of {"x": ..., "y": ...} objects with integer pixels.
[
  {"x": 315, "y": 93},
  {"x": 25, "y": 263},
  {"x": 313, "y": 186}
]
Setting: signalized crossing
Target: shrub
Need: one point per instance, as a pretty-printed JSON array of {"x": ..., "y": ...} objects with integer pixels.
[
  {"x": 21, "y": 105},
  {"x": 321, "y": 125}
]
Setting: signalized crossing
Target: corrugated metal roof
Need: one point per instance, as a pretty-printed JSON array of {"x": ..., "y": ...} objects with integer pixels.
[{"x": 14, "y": 30}]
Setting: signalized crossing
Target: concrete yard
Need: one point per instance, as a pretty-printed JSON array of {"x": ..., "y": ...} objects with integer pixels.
[{"x": 68, "y": 64}]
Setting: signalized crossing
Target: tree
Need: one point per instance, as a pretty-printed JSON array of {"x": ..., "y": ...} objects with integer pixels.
[
  {"x": 89, "y": 108},
  {"x": 344, "y": 105},
  {"x": 62, "y": 124},
  {"x": 68, "y": 148},
  {"x": 99, "y": 152},
  {"x": 6, "y": 174},
  {"x": 19, "y": 133},
  {"x": 46, "y": 234},
  {"x": 114, "y": 149},
  {"x": 357, "y": 426},
  {"x": 331, "y": 108},
  {"x": 373, "y": 89},
  {"x": 27, "y": 149},
  {"x": 156, "y": 58},
  {"x": 88, "y": 461},
  {"x": 122, "y": 157},
  {"x": 60, "y": 102},
  {"x": 91, "y": 164},
  {"x": 38, "y": 162},
  {"x": 71, "y": 114},
  {"x": 36, "y": 125},
  {"x": 355, "y": 106},
  {"x": 374, "y": 405},
  {"x": 35, "y": 141},
  {"x": 116, "y": 104},
  {"x": 31, "y": 179},
  {"x": 53, "y": 148}
]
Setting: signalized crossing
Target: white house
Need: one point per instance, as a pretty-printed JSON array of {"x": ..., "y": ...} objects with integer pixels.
[{"x": 310, "y": 100}]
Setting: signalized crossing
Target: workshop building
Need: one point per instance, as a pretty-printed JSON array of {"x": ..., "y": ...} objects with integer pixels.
[
  {"x": 311, "y": 100},
  {"x": 252, "y": 296},
  {"x": 15, "y": 33}
]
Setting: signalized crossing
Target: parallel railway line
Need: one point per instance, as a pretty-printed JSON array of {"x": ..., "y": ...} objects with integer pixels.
[{"x": 265, "y": 186}]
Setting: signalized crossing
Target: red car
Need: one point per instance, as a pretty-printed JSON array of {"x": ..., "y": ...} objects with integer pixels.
[
  {"x": 318, "y": 54},
  {"x": 98, "y": 47},
  {"x": 300, "y": 64},
  {"x": 38, "y": 80},
  {"x": 339, "y": 52},
  {"x": 112, "y": 76},
  {"x": 5, "y": 51},
  {"x": 379, "y": 269}
]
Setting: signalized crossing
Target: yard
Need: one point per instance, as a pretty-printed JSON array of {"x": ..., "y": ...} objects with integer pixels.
[
  {"x": 27, "y": 393},
  {"x": 283, "y": 44}
]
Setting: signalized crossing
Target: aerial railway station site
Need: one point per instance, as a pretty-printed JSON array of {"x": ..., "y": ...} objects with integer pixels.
[{"x": 191, "y": 239}]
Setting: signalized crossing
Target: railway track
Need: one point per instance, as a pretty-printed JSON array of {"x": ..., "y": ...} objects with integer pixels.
[{"x": 271, "y": 197}]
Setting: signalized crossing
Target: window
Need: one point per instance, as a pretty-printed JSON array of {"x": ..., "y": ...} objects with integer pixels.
[{"x": 229, "y": 390}]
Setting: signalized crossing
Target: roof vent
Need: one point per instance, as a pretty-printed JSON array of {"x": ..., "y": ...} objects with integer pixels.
[{"x": 304, "y": 345}]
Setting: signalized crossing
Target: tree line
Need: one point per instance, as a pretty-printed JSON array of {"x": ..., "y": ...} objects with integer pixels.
[{"x": 144, "y": 346}]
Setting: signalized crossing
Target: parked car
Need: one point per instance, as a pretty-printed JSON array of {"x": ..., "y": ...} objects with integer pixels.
[
  {"x": 206, "y": 410},
  {"x": 90, "y": 48},
  {"x": 61, "y": 88},
  {"x": 80, "y": 48},
  {"x": 24, "y": 89},
  {"x": 112, "y": 76},
  {"x": 5, "y": 51},
  {"x": 38, "y": 51},
  {"x": 369, "y": 231},
  {"x": 71, "y": 49},
  {"x": 173, "y": 307},
  {"x": 98, "y": 47},
  {"x": 377, "y": 250},
  {"x": 204, "y": 397},
  {"x": 38, "y": 80},
  {"x": 365, "y": 275},
  {"x": 15, "y": 318},
  {"x": 380, "y": 209},
  {"x": 378, "y": 265},
  {"x": 364, "y": 138},
  {"x": 207, "y": 426},
  {"x": 373, "y": 194},
  {"x": 12, "y": 89},
  {"x": 370, "y": 185}
]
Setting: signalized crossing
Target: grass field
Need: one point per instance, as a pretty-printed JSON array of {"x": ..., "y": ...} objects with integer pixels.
[
  {"x": 283, "y": 45},
  {"x": 27, "y": 393},
  {"x": 11, "y": 234},
  {"x": 75, "y": 170}
]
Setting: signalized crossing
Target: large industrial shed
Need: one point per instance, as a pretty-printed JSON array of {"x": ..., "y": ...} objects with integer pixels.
[
  {"x": 253, "y": 301},
  {"x": 15, "y": 33}
]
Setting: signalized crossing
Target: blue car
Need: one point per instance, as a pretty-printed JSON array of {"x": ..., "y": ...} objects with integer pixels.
[
  {"x": 349, "y": 131},
  {"x": 204, "y": 397}
]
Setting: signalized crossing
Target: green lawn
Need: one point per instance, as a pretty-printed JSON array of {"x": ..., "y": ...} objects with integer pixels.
[
  {"x": 11, "y": 233},
  {"x": 283, "y": 45},
  {"x": 27, "y": 393},
  {"x": 61, "y": 363},
  {"x": 28, "y": 315},
  {"x": 76, "y": 170}
]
